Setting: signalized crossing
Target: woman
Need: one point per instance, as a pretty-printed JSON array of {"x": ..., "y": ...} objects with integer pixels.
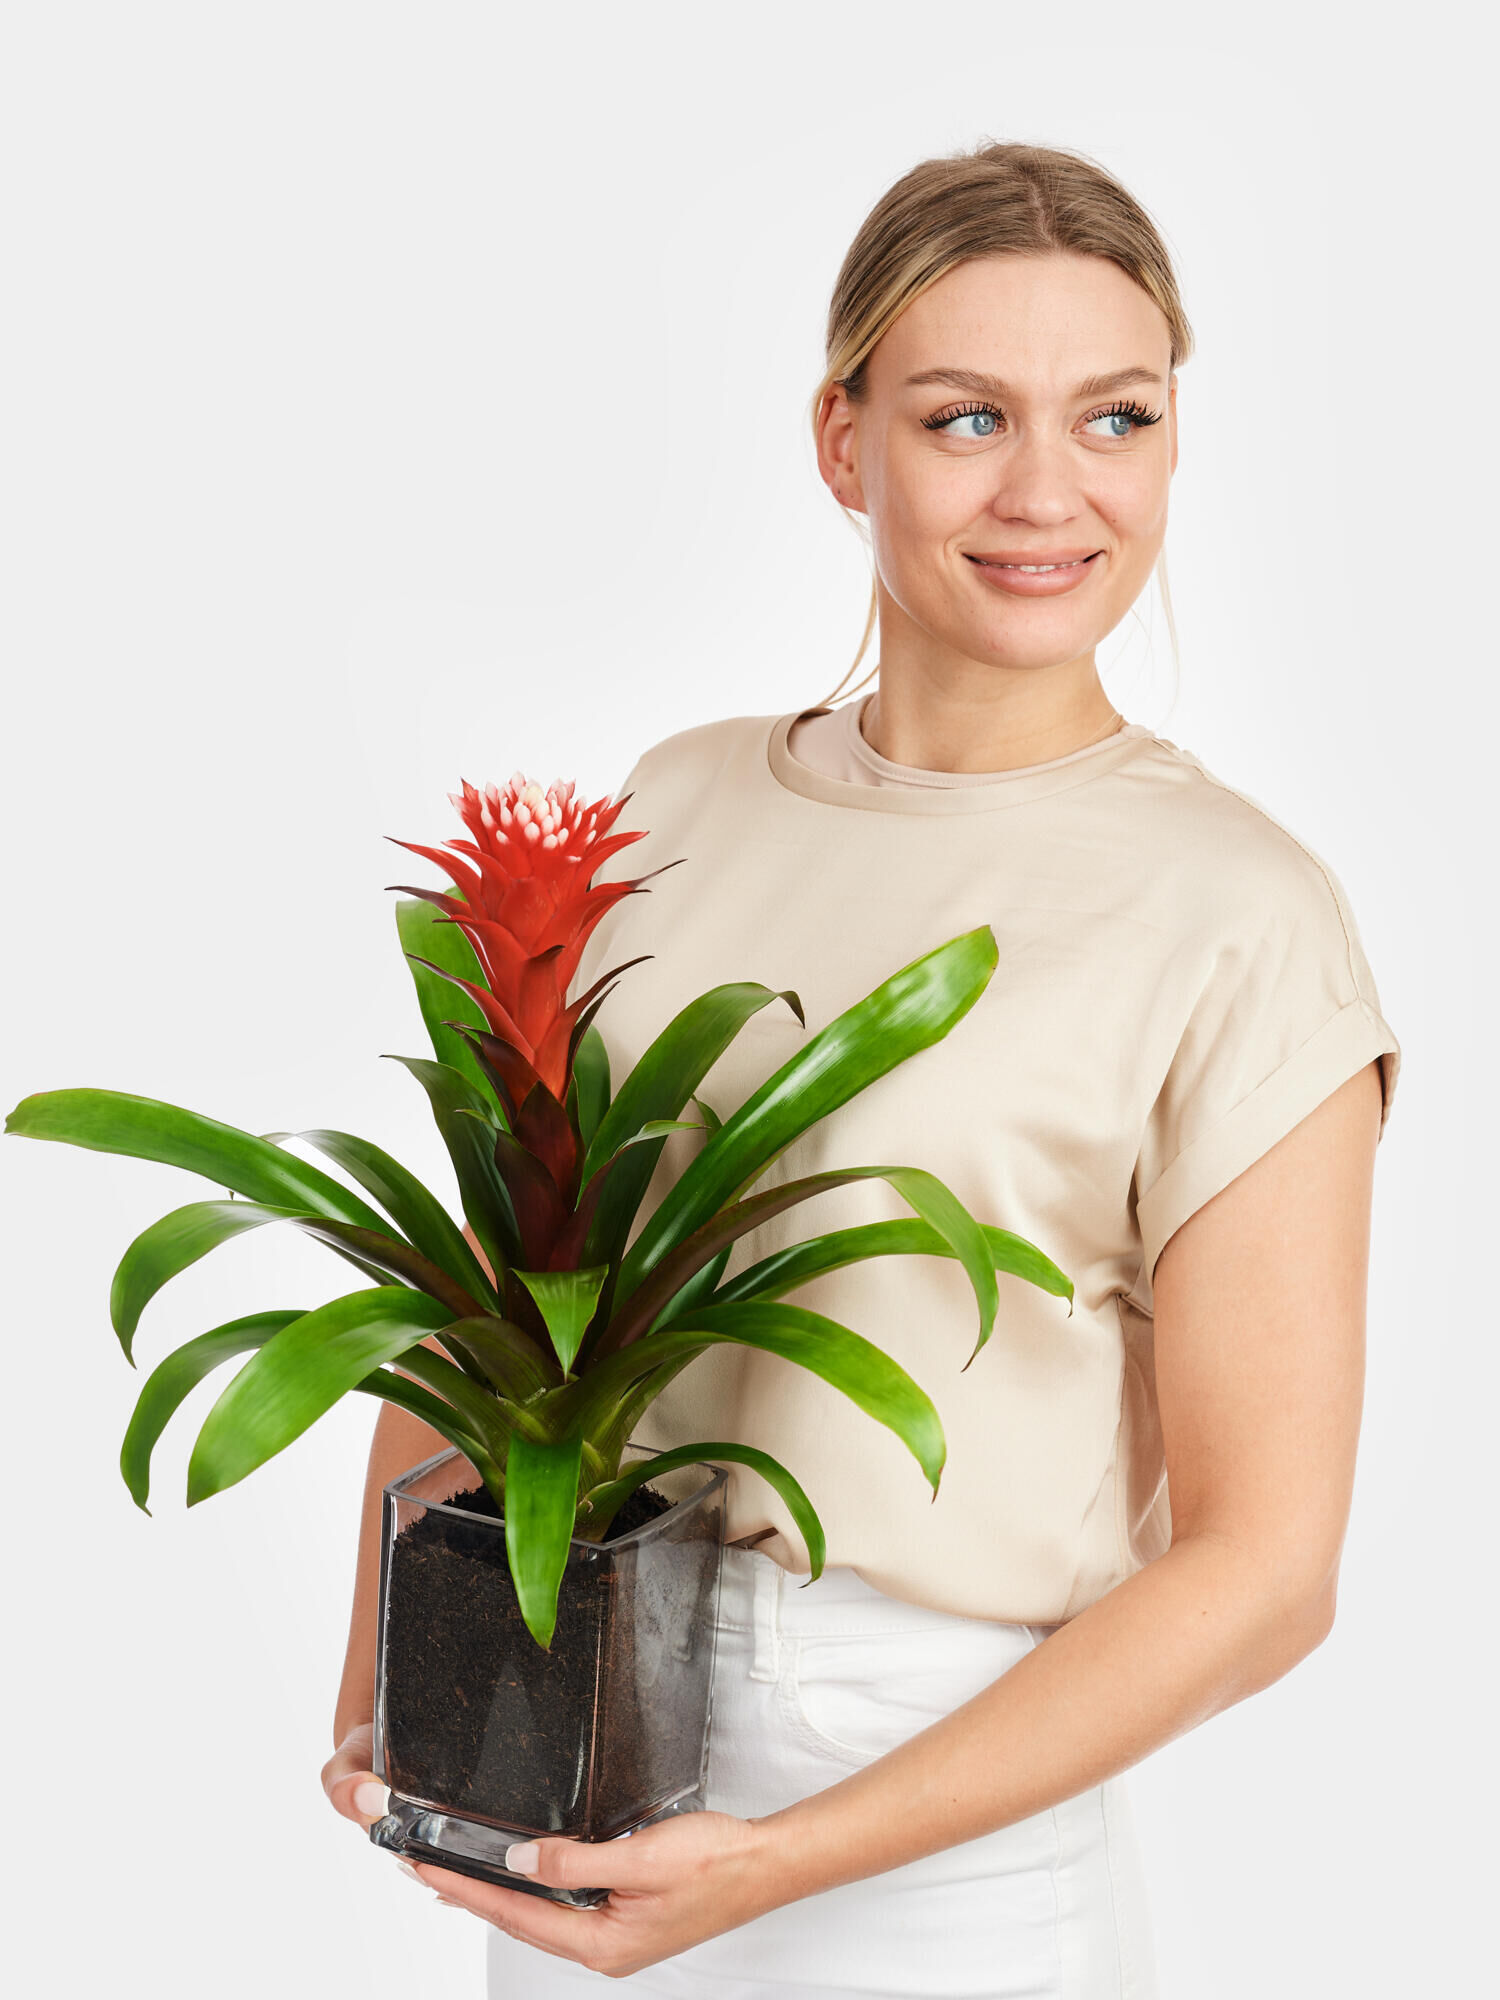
[{"x": 1174, "y": 1083}]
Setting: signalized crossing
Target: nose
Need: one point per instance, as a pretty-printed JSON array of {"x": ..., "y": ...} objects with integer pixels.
[{"x": 1036, "y": 482}]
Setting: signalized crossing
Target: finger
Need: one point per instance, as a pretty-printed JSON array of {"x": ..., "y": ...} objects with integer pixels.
[
  {"x": 559, "y": 1928},
  {"x": 361, "y": 1796},
  {"x": 639, "y": 1859},
  {"x": 353, "y": 1789}
]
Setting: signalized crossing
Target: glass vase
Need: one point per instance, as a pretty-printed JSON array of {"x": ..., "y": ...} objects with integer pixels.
[{"x": 483, "y": 1736}]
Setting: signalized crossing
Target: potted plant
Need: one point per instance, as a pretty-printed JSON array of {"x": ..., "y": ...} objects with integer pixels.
[{"x": 546, "y": 1613}]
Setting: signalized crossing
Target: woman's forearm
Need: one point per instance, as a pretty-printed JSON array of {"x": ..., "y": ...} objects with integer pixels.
[
  {"x": 1189, "y": 1635},
  {"x": 400, "y": 1442}
]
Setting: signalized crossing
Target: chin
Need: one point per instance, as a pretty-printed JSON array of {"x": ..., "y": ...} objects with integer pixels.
[{"x": 1022, "y": 649}]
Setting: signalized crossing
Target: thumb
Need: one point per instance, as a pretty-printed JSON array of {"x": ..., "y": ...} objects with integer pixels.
[{"x": 623, "y": 1862}]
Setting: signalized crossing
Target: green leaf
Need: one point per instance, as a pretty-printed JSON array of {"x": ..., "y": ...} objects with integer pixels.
[
  {"x": 469, "y": 1138},
  {"x": 433, "y": 1410},
  {"x": 114, "y": 1121},
  {"x": 656, "y": 1128},
  {"x": 913, "y": 1009},
  {"x": 299, "y": 1373},
  {"x": 658, "y": 1086},
  {"x": 172, "y": 1380},
  {"x": 880, "y": 1386},
  {"x": 180, "y": 1238},
  {"x": 414, "y": 1209},
  {"x": 610, "y": 1432},
  {"x": 607, "y": 1500},
  {"x": 590, "y": 1084},
  {"x": 653, "y": 1300},
  {"x": 389, "y": 1257},
  {"x": 785, "y": 1270},
  {"x": 699, "y": 1289},
  {"x": 541, "y": 1511},
  {"x": 484, "y": 1415},
  {"x": 505, "y": 1354},
  {"x": 671, "y": 1069},
  {"x": 425, "y": 931},
  {"x": 567, "y": 1300},
  {"x": 170, "y": 1245}
]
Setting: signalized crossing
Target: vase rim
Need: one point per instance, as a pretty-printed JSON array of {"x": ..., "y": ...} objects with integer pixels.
[{"x": 398, "y": 1489}]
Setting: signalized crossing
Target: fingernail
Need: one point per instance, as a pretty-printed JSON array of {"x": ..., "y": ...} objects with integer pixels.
[
  {"x": 523, "y": 1857},
  {"x": 371, "y": 1799},
  {"x": 406, "y": 1869}
]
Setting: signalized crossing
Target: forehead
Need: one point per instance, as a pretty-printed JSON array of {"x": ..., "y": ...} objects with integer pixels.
[{"x": 1047, "y": 321}]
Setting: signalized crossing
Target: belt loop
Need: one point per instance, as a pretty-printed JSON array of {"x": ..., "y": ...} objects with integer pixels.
[{"x": 766, "y": 1663}]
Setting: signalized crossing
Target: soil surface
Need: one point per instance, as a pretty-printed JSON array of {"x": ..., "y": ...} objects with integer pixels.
[{"x": 641, "y": 1506}]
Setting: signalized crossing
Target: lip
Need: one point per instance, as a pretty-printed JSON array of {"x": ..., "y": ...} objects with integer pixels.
[
  {"x": 1053, "y": 583},
  {"x": 1079, "y": 554}
]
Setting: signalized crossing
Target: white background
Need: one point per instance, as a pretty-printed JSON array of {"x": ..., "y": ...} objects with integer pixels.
[{"x": 395, "y": 394}]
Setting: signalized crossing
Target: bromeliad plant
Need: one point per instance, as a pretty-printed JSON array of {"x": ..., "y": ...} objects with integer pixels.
[{"x": 538, "y": 1361}]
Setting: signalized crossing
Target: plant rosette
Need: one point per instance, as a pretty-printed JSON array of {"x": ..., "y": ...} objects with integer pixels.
[{"x": 533, "y": 1339}]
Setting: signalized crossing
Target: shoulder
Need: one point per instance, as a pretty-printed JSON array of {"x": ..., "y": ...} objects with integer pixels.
[
  {"x": 706, "y": 755},
  {"x": 1229, "y": 859}
]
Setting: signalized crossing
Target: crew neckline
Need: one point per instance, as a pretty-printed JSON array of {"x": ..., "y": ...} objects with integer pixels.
[{"x": 991, "y": 792}]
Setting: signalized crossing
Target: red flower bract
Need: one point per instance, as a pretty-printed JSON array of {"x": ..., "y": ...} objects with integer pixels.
[{"x": 528, "y": 907}]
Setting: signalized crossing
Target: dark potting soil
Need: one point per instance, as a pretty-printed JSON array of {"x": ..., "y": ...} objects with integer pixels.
[
  {"x": 641, "y": 1506},
  {"x": 583, "y": 1737}
]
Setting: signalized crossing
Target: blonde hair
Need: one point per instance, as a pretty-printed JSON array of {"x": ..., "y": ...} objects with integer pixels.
[{"x": 998, "y": 199}]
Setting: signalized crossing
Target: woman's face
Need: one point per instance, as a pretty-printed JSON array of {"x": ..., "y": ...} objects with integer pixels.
[{"x": 994, "y": 432}]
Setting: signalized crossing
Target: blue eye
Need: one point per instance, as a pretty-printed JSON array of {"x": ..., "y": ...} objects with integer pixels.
[
  {"x": 1134, "y": 416},
  {"x": 947, "y": 417}
]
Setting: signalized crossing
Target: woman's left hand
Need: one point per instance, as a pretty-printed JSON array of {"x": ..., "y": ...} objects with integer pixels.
[{"x": 672, "y": 1885}]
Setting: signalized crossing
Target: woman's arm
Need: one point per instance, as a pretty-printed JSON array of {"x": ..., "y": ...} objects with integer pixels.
[
  {"x": 400, "y": 1442},
  {"x": 1260, "y": 1312}
]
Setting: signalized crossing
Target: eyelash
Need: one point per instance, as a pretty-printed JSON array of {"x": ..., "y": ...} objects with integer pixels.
[{"x": 1138, "y": 413}]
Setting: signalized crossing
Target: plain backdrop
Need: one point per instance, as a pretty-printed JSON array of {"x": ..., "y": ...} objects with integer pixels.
[{"x": 395, "y": 394}]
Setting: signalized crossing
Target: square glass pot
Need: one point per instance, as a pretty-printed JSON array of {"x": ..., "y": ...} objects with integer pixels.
[{"x": 485, "y": 1737}]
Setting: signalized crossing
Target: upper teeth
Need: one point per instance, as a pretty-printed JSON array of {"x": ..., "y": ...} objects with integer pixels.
[{"x": 1035, "y": 569}]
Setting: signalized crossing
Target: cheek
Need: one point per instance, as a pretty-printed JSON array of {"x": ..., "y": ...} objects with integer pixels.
[
  {"x": 909, "y": 529},
  {"x": 916, "y": 511},
  {"x": 1132, "y": 498}
]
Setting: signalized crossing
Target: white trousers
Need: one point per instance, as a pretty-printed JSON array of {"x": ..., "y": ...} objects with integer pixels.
[{"x": 812, "y": 1682}]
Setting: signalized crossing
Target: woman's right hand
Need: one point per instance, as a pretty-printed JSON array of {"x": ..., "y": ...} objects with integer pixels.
[{"x": 352, "y": 1787}]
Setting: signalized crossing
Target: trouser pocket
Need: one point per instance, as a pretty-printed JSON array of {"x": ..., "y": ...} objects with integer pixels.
[{"x": 856, "y": 1696}]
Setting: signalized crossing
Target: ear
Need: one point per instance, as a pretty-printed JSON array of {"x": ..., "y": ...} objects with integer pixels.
[
  {"x": 838, "y": 446},
  {"x": 1172, "y": 417}
]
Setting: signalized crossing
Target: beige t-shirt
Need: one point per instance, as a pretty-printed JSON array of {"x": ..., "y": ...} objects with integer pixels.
[
  {"x": 832, "y": 741},
  {"x": 1180, "y": 982}
]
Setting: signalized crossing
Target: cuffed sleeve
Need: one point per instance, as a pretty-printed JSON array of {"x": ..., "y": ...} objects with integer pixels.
[{"x": 1286, "y": 1011}]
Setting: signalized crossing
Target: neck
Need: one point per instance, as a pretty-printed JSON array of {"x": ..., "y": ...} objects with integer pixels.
[{"x": 1001, "y": 729}]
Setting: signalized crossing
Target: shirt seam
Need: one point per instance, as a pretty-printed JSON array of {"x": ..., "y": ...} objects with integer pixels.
[
  {"x": 986, "y": 799},
  {"x": 1210, "y": 778}
]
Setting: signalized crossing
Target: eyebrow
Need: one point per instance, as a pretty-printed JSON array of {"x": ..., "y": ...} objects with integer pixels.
[{"x": 980, "y": 384}]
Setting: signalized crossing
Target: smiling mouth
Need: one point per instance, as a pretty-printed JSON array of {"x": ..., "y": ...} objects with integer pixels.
[{"x": 1034, "y": 569}]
